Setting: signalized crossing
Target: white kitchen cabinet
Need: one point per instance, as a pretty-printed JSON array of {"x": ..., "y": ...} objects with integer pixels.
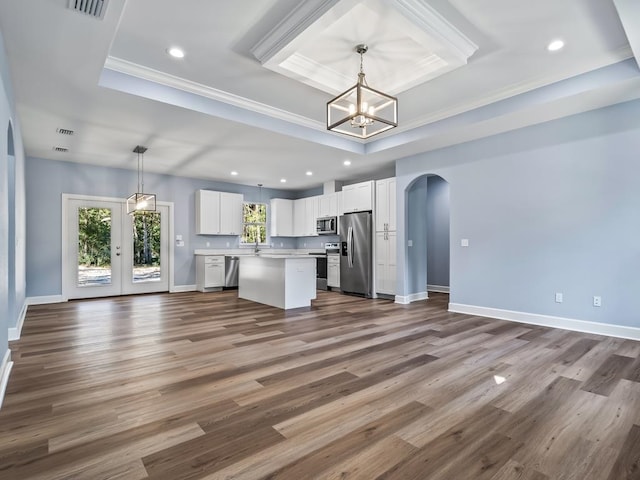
[
  {"x": 230, "y": 213},
  {"x": 385, "y": 212},
  {"x": 328, "y": 205},
  {"x": 209, "y": 272},
  {"x": 339, "y": 203},
  {"x": 333, "y": 270},
  {"x": 312, "y": 205},
  {"x": 218, "y": 213},
  {"x": 281, "y": 217},
  {"x": 207, "y": 212},
  {"x": 299, "y": 215},
  {"x": 386, "y": 263},
  {"x": 305, "y": 213},
  {"x": 358, "y": 197}
]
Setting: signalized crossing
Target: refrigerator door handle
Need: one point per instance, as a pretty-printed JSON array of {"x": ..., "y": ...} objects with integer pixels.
[{"x": 350, "y": 247}]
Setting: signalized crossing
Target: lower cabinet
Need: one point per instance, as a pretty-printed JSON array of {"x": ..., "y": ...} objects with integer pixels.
[
  {"x": 386, "y": 263},
  {"x": 209, "y": 272},
  {"x": 333, "y": 270}
]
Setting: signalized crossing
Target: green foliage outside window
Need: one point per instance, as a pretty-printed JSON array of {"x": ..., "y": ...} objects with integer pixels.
[
  {"x": 94, "y": 238},
  {"x": 254, "y": 223}
]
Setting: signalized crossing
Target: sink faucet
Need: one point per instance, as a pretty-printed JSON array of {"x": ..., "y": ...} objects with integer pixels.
[{"x": 256, "y": 250}]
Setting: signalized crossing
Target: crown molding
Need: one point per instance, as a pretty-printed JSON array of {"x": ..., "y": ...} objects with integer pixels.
[
  {"x": 136, "y": 70},
  {"x": 300, "y": 18},
  {"x": 429, "y": 20}
]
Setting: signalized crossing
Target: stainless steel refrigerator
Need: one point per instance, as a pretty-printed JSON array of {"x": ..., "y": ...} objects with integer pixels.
[{"x": 355, "y": 253}]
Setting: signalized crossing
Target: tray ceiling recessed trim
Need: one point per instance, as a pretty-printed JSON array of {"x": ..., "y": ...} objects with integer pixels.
[{"x": 416, "y": 44}]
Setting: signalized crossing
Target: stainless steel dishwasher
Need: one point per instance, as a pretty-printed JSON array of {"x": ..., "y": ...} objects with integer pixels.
[{"x": 231, "y": 267}]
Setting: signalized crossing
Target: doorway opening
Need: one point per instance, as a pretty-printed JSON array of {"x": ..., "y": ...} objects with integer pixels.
[{"x": 427, "y": 231}]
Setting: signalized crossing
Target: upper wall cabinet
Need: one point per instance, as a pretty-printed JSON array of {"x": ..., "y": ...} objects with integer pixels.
[
  {"x": 386, "y": 205},
  {"x": 218, "y": 213},
  {"x": 305, "y": 213},
  {"x": 281, "y": 217},
  {"x": 328, "y": 205},
  {"x": 357, "y": 197}
]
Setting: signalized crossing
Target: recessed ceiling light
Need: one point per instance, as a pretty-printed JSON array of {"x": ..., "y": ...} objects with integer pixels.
[
  {"x": 347, "y": 163},
  {"x": 176, "y": 52},
  {"x": 555, "y": 45},
  {"x": 234, "y": 173},
  {"x": 283, "y": 180},
  {"x": 309, "y": 173}
]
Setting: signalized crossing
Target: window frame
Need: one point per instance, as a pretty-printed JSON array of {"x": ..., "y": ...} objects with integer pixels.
[{"x": 244, "y": 223}]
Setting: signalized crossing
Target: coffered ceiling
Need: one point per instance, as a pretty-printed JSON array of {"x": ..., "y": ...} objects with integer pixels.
[{"x": 250, "y": 94}]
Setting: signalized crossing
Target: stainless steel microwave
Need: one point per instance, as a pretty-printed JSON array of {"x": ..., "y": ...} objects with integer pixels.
[{"x": 327, "y": 226}]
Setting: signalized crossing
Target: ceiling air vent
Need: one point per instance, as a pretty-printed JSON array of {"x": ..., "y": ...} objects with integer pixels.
[
  {"x": 94, "y": 8},
  {"x": 65, "y": 131},
  {"x": 60, "y": 149}
]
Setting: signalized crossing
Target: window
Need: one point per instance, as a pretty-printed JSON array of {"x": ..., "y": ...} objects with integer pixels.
[{"x": 254, "y": 223}]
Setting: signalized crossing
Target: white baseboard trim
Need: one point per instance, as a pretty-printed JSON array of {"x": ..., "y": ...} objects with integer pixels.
[
  {"x": 414, "y": 297},
  {"x": 183, "y": 288},
  {"x": 5, "y": 370},
  {"x": 584, "y": 326},
  {"x": 438, "y": 288},
  {"x": 45, "y": 299},
  {"x": 14, "y": 332}
]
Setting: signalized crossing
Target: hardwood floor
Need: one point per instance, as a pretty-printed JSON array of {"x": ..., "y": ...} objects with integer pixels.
[{"x": 195, "y": 386}]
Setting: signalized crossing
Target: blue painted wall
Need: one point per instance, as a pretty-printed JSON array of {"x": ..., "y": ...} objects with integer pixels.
[
  {"x": 437, "y": 213},
  {"x": 548, "y": 208},
  {"x": 12, "y": 209},
  {"x": 47, "y": 180}
]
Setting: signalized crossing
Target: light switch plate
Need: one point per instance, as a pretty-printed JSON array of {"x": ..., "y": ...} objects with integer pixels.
[
  {"x": 410, "y": 243},
  {"x": 464, "y": 242}
]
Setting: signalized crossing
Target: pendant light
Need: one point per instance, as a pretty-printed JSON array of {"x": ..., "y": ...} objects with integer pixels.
[
  {"x": 362, "y": 111},
  {"x": 141, "y": 202}
]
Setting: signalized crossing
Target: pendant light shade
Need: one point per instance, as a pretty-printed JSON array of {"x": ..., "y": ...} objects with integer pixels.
[
  {"x": 141, "y": 202},
  {"x": 362, "y": 111}
]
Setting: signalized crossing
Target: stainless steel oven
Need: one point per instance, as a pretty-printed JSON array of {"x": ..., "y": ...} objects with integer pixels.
[{"x": 321, "y": 264}]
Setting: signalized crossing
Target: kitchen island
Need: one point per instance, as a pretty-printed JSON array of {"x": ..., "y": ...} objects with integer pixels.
[{"x": 282, "y": 281}]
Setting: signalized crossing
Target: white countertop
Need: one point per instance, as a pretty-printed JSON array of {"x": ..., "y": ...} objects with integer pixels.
[
  {"x": 315, "y": 252},
  {"x": 280, "y": 257}
]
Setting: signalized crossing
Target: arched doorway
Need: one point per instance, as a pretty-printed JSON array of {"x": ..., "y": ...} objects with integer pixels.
[{"x": 427, "y": 234}]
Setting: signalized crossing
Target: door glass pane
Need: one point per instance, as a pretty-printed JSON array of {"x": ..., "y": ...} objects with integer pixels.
[
  {"x": 146, "y": 247},
  {"x": 94, "y": 247}
]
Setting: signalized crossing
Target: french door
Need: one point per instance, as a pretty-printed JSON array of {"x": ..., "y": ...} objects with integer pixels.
[{"x": 107, "y": 252}]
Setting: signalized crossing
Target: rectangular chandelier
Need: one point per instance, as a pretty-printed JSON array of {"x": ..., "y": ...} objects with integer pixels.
[
  {"x": 141, "y": 202},
  {"x": 362, "y": 111}
]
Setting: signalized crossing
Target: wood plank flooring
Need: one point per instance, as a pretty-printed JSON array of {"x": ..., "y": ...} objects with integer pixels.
[{"x": 207, "y": 386}]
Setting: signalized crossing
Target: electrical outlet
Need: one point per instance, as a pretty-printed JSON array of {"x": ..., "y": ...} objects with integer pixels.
[
  {"x": 208, "y": 244},
  {"x": 597, "y": 301},
  {"x": 558, "y": 297},
  {"x": 464, "y": 242}
]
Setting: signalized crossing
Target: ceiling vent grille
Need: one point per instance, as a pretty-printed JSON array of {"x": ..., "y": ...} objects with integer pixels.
[
  {"x": 94, "y": 8},
  {"x": 65, "y": 131},
  {"x": 60, "y": 149}
]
